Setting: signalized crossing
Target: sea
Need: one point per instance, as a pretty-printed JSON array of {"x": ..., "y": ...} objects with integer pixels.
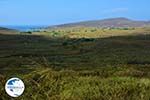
[{"x": 24, "y": 28}]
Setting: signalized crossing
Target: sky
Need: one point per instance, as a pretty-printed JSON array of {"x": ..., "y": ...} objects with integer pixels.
[{"x": 53, "y": 12}]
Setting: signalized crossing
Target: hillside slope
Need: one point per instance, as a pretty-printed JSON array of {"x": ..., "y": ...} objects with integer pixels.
[
  {"x": 112, "y": 22},
  {"x": 7, "y": 31}
]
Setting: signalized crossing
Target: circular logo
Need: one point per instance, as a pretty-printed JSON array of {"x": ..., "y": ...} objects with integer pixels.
[{"x": 14, "y": 87}]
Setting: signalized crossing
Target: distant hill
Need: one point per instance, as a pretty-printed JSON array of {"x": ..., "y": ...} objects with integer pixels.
[
  {"x": 112, "y": 22},
  {"x": 7, "y": 31}
]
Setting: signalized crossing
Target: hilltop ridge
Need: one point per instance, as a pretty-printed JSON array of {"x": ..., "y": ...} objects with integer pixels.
[{"x": 111, "y": 22}]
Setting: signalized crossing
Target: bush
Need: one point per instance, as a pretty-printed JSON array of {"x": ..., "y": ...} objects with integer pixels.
[
  {"x": 93, "y": 30},
  {"x": 28, "y": 32}
]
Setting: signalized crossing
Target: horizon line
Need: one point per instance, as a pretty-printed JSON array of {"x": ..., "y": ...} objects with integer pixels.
[{"x": 70, "y": 22}]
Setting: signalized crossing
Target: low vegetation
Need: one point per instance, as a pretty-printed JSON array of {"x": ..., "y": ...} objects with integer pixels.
[{"x": 67, "y": 66}]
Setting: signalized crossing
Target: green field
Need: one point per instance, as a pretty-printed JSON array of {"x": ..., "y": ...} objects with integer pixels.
[{"x": 78, "y": 64}]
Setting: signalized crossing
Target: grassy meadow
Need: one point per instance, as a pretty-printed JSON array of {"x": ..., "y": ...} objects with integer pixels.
[{"x": 78, "y": 63}]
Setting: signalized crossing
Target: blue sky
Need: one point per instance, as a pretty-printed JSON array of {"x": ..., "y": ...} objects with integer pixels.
[{"x": 51, "y": 12}]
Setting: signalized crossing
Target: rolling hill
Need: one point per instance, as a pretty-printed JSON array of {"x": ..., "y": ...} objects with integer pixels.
[
  {"x": 112, "y": 22},
  {"x": 7, "y": 31}
]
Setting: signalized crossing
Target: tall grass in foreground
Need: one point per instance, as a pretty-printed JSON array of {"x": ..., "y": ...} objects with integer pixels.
[{"x": 47, "y": 84}]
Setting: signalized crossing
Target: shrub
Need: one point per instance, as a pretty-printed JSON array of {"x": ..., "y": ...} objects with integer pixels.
[{"x": 28, "y": 32}]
